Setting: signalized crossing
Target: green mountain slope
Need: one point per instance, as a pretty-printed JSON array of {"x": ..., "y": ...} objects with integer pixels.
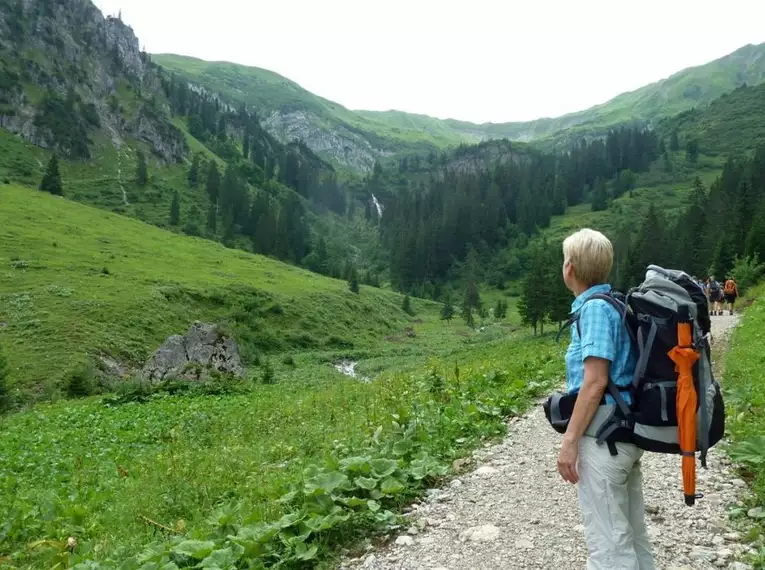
[
  {"x": 356, "y": 138},
  {"x": 78, "y": 281},
  {"x": 733, "y": 123},
  {"x": 289, "y": 111}
]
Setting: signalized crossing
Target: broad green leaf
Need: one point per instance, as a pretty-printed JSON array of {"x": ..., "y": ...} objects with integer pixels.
[
  {"x": 290, "y": 519},
  {"x": 326, "y": 482},
  {"x": 355, "y": 464},
  {"x": 355, "y": 501},
  {"x": 402, "y": 447},
  {"x": 374, "y": 506},
  {"x": 391, "y": 486},
  {"x": 383, "y": 467},
  {"x": 197, "y": 549},
  {"x": 302, "y": 552},
  {"x": 222, "y": 559},
  {"x": 367, "y": 483}
]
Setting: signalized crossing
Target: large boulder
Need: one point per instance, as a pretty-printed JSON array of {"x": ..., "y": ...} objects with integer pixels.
[{"x": 203, "y": 349}]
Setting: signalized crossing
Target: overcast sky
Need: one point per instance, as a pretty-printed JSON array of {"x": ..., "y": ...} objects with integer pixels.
[{"x": 480, "y": 60}]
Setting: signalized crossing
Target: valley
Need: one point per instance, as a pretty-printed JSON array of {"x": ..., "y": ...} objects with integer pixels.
[{"x": 390, "y": 280}]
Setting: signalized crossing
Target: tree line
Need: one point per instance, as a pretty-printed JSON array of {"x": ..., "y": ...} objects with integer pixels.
[{"x": 437, "y": 210}]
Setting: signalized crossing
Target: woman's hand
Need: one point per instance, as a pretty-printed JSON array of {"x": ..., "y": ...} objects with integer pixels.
[{"x": 569, "y": 452}]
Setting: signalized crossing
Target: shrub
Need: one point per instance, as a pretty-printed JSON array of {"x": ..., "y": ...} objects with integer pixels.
[
  {"x": 268, "y": 376},
  {"x": 79, "y": 381},
  {"x": 747, "y": 272},
  {"x": 288, "y": 360}
]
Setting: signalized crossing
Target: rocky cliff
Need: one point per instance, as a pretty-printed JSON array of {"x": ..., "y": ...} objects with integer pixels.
[{"x": 67, "y": 74}]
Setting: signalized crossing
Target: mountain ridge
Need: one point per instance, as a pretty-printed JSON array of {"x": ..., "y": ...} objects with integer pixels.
[{"x": 356, "y": 138}]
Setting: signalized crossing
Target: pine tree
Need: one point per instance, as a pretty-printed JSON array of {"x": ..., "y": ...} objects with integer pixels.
[
  {"x": 142, "y": 172},
  {"x": 674, "y": 142},
  {"x": 447, "y": 310},
  {"x": 246, "y": 146},
  {"x": 51, "y": 181},
  {"x": 406, "y": 305},
  {"x": 212, "y": 186},
  {"x": 194, "y": 171},
  {"x": 500, "y": 310},
  {"x": 212, "y": 219},
  {"x": 467, "y": 315},
  {"x": 175, "y": 210},
  {"x": 599, "y": 196},
  {"x": 692, "y": 150},
  {"x": 353, "y": 281},
  {"x": 558, "y": 295},
  {"x": 532, "y": 305}
]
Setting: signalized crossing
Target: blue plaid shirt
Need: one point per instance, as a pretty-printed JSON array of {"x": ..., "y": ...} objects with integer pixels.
[{"x": 603, "y": 335}]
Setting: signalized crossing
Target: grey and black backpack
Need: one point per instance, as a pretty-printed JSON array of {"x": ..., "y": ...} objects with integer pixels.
[{"x": 650, "y": 313}]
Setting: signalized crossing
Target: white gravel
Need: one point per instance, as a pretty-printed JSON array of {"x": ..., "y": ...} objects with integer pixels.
[{"x": 513, "y": 511}]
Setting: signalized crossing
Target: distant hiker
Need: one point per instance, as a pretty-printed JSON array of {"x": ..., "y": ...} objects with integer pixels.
[
  {"x": 610, "y": 486},
  {"x": 715, "y": 295},
  {"x": 730, "y": 290}
]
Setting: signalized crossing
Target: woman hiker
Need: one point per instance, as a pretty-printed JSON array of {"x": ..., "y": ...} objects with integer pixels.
[{"x": 610, "y": 486}]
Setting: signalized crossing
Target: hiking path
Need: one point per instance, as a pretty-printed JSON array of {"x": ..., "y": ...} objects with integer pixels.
[{"x": 513, "y": 511}]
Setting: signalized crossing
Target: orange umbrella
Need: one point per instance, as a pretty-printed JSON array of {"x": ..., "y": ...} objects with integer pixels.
[{"x": 684, "y": 356}]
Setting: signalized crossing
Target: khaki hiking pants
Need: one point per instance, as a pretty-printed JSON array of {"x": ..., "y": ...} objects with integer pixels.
[{"x": 611, "y": 499}]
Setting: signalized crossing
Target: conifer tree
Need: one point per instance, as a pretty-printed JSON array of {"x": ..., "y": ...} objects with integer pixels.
[
  {"x": 246, "y": 146},
  {"x": 532, "y": 305},
  {"x": 212, "y": 186},
  {"x": 353, "y": 281},
  {"x": 674, "y": 141},
  {"x": 142, "y": 172},
  {"x": 175, "y": 210},
  {"x": 51, "y": 181},
  {"x": 447, "y": 310},
  {"x": 467, "y": 315},
  {"x": 406, "y": 305},
  {"x": 692, "y": 150},
  {"x": 599, "y": 196},
  {"x": 194, "y": 171},
  {"x": 559, "y": 297},
  {"x": 212, "y": 219}
]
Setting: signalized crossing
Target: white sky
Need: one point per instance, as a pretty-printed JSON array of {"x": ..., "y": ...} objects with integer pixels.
[{"x": 475, "y": 60}]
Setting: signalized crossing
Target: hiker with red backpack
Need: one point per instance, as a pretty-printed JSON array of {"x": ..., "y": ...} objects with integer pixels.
[
  {"x": 639, "y": 378},
  {"x": 730, "y": 290}
]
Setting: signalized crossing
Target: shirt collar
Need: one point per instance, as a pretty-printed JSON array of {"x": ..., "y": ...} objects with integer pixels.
[{"x": 594, "y": 290}]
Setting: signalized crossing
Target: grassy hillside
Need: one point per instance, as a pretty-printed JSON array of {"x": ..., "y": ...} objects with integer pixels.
[
  {"x": 78, "y": 281},
  {"x": 733, "y": 123}
]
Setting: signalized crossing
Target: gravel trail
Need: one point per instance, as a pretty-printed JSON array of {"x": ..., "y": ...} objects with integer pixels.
[{"x": 513, "y": 511}]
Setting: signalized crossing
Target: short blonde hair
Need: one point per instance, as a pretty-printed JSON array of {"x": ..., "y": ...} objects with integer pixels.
[{"x": 591, "y": 255}]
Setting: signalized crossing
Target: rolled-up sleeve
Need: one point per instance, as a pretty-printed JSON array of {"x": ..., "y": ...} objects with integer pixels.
[{"x": 598, "y": 330}]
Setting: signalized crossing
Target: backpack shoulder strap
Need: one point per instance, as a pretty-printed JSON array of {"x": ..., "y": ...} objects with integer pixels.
[{"x": 620, "y": 307}]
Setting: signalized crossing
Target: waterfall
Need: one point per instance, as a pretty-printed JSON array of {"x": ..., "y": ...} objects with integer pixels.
[{"x": 377, "y": 205}]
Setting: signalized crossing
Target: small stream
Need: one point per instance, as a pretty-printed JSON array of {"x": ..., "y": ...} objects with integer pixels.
[{"x": 348, "y": 368}]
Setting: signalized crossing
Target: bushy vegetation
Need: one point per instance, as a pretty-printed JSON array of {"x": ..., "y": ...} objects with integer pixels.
[
  {"x": 745, "y": 401},
  {"x": 281, "y": 474}
]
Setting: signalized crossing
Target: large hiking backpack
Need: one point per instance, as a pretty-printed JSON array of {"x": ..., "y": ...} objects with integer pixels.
[
  {"x": 654, "y": 309},
  {"x": 730, "y": 287},
  {"x": 651, "y": 313}
]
